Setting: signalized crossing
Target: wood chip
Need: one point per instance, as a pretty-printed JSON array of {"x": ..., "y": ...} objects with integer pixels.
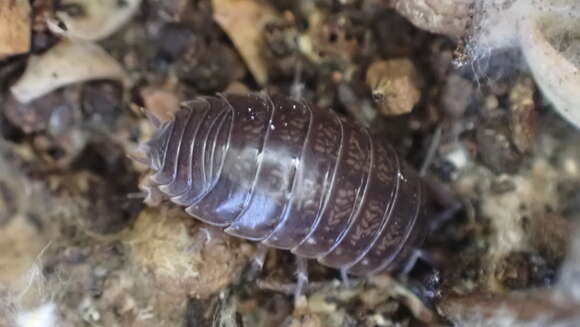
[{"x": 14, "y": 27}]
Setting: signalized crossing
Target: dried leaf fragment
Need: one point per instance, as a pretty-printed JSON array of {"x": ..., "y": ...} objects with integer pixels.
[
  {"x": 15, "y": 25},
  {"x": 395, "y": 85},
  {"x": 244, "y": 22},
  {"x": 66, "y": 63}
]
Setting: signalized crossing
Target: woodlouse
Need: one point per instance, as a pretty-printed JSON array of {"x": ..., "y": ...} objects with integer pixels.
[{"x": 277, "y": 171}]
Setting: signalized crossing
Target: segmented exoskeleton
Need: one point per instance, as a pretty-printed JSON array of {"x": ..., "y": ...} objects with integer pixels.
[{"x": 278, "y": 171}]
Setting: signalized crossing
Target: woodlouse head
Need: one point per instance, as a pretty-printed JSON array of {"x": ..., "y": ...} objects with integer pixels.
[{"x": 150, "y": 152}]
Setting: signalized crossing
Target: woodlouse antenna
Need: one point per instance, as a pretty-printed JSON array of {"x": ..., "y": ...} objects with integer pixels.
[
  {"x": 138, "y": 158},
  {"x": 151, "y": 117}
]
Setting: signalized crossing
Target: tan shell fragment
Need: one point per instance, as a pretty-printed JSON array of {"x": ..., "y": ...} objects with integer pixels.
[
  {"x": 395, "y": 86},
  {"x": 551, "y": 45},
  {"x": 66, "y": 63},
  {"x": 244, "y": 22},
  {"x": 91, "y": 20}
]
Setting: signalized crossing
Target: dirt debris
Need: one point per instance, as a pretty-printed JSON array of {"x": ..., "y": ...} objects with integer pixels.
[
  {"x": 452, "y": 18},
  {"x": 555, "y": 306},
  {"x": 36, "y": 115},
  {"x": 495, "y": 146},
  {"x": 185, "y": 258}
]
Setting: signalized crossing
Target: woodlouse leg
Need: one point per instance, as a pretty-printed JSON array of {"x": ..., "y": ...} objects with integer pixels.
[
  {"x": 258, "y": 261},
  {"x": 297, "y": 88},
  {"x": 415, "y": 255},
  {"x": 301, "y": 277},
  {"x": 435, "y": 142},
  {"x": 444, "y": 216},
  {"x": 424, "y": 282},
  {"x": 154, "y": 120},
  {"x": 443, "y": 198},
  {"x": 151, "y": 193},
  {"x": 442, "y": 195},
  {"x": 345, "y": 280}
]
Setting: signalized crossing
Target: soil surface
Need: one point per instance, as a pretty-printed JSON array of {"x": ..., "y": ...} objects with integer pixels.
[{"x": 80, "y": 248}]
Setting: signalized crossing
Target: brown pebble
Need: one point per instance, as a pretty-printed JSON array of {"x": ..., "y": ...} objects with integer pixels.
[
  {"x": 161, "y": 103},
  {"x": 395, "y": 85},
  {"x": 494, "y": 147}
]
